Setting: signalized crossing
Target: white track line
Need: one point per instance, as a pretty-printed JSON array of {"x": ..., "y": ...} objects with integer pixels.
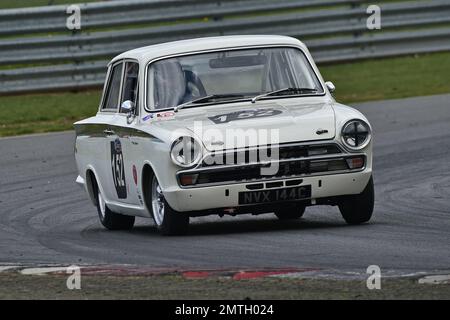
[
  {"x": 42, "y": 271},
  {"x": 437, "y": 279},
  {"x": 4, "y": 268}
]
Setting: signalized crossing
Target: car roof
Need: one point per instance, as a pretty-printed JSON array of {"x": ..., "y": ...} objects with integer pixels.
[{"x": 145, "y": 54}]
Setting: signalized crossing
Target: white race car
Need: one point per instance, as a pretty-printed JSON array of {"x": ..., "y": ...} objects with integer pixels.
[{"x": 223, "y": 125}]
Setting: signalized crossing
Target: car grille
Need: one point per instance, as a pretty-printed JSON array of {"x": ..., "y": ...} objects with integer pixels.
[
  {"x": 293, "y": 161},
  {"x": 263, "y": 153}
]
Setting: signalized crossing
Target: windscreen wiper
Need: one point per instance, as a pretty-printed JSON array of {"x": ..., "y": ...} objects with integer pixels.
[
  {"x": 208, "y": 98},
  {"x": 285, "y": 91}
]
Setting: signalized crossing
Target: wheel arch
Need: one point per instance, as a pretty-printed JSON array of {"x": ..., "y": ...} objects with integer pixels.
[
  {"x": 149, "y": 170},
  {"x": 147, "y": 173},
  {"x": 92, "y": 185}
]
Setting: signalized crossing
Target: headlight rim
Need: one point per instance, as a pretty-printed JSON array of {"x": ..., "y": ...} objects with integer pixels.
[
  {"x": 196, "y": 160},
  {"x": 366, "y": 142}
]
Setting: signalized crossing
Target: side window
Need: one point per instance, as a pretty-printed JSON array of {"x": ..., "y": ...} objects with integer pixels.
[
  {"x": 113, "y": 89},
  {"x": 130, "y": 83}
]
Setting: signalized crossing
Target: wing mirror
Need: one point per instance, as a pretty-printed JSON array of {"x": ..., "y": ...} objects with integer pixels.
[
  {"x": 130, "y": 108},
  {"x": 330, "y": 86},
  {"x": 127, "y": 105}
]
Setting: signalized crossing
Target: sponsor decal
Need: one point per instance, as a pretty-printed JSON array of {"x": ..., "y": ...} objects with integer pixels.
[
  {"x": 147, "y": 117},
  {"x": 135, "y": 177},
  {"x": 118, "y": 169},
  {"x": 163, "y": 115},
  {"x": 140, "y": 197},
  {"x": 244, "y": 114},
  {"x": 138, "y": 192}
]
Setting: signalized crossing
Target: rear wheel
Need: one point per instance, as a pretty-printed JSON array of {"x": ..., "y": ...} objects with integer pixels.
[
  {"x": 167, "y": 220},
  {"x": 357, "y": 209},
  {"x": 110, "y": 219},
  {"x": 290, "y": 212}
]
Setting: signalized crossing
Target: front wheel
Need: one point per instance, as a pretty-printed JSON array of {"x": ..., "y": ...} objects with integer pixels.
[
  {"x": 111, "y": 220},
  {"x": 357, "y": 209},
  {"x": 167, "y": 220}
]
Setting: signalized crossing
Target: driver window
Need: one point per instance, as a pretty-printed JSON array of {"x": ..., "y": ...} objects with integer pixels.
[
  {"x": 130, "y": 84},
  {"x": 113, "y": 89}
]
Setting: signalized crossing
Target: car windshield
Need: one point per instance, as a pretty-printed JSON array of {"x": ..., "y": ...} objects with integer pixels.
[{"x": 230, "y": 75}]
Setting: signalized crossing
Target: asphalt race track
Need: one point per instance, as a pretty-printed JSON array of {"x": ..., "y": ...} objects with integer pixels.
[{"x": 46, "y": 218}]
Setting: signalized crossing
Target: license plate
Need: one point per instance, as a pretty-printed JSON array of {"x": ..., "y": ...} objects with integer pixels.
[{"x": 275, "y": 195}]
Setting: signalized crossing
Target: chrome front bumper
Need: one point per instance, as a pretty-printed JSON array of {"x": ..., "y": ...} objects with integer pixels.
[{"x": 227, "y": 196}]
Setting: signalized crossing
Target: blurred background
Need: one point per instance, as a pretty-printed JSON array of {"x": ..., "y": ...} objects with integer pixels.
[{"x": 51, "y": 75}]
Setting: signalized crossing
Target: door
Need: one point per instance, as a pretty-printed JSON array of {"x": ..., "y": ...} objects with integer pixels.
[
  {"x": 112, "y": 168},
  {"x": 124, "y": 169}
]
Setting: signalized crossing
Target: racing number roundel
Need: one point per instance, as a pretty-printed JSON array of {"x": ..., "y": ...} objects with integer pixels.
[{"x": 118, "y": 169}]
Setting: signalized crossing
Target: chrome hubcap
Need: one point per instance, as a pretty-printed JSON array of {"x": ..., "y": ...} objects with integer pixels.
[
  {"x": 101, "y": 204},
  {"x": 157, "y": 202}
]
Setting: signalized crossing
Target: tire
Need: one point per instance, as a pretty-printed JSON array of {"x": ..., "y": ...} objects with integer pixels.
[
  {"x": 290, "y": 212},
  {"x": 357, "y": 209},
  {"x": 111, "y": 220},
  {"x": 168, "y": 221}
]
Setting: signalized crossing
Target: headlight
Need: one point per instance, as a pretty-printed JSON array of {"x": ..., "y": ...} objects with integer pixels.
[
  {"x": 186, "y": 152},
  {"x": 356, "y": 134}
]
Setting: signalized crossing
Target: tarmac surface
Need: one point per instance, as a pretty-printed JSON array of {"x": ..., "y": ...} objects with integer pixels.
[{"x": 45, "y": 218}]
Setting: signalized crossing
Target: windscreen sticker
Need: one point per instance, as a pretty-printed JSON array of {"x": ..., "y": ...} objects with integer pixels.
[
  {"x": 159, "y": 116},
  {"x": 118, "y": 169},
  {"x": 244, "y": 114}
]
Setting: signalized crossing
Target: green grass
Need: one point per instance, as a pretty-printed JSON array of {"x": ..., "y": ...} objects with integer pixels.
[
  {"x": 390, "y": 78},
  {"x": 355, "y": 82},
  {"x": 45, "y": 112}
]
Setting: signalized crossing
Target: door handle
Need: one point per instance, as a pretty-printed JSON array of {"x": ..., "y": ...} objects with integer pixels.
[{"x": 108, "y": 132}]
